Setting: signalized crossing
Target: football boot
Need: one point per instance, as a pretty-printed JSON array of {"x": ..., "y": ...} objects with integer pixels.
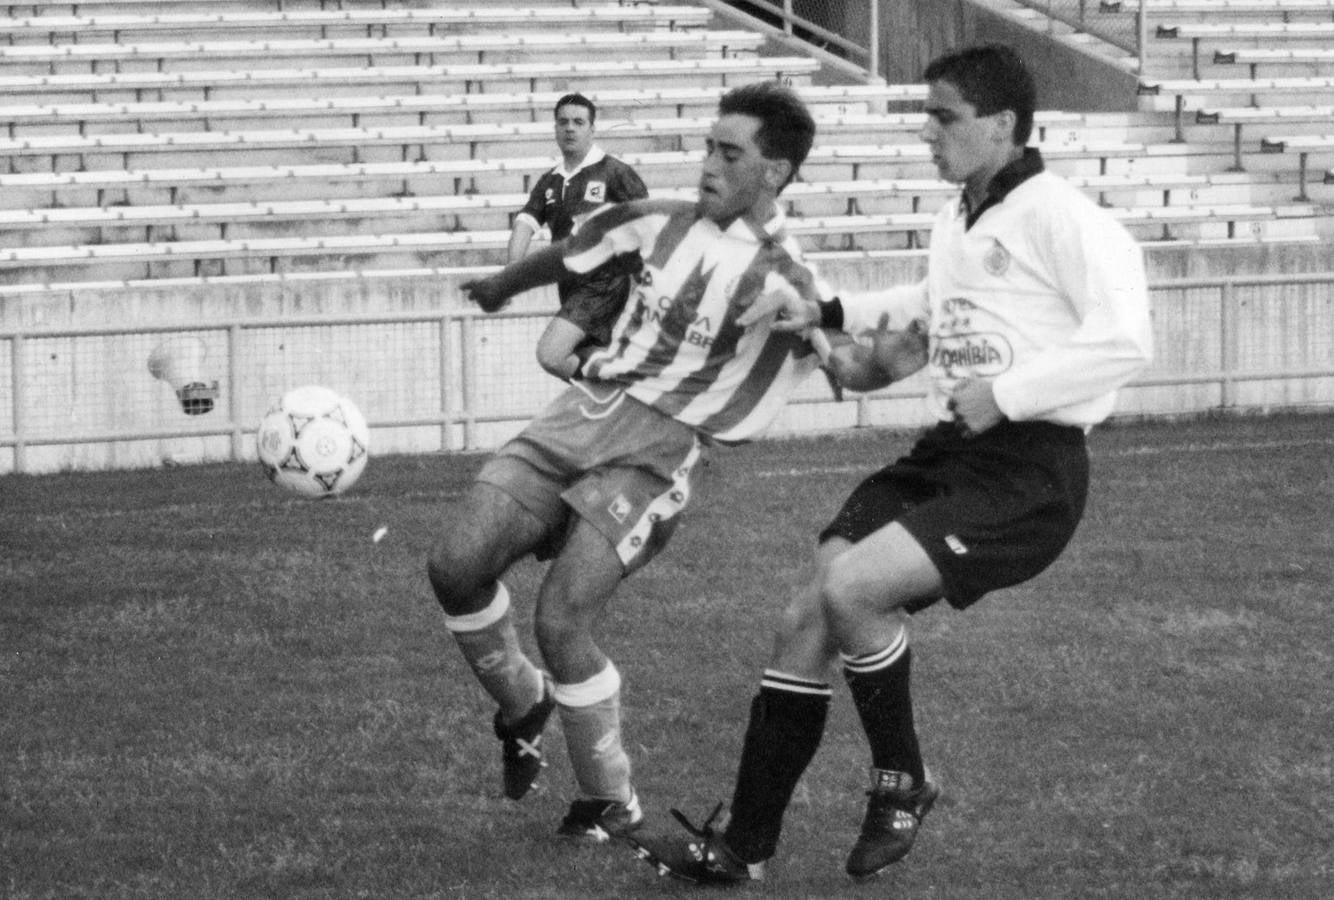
[
  {"x": 894, "y": 813},
  {"x": 703, "y": 858},
  {"x": 599, "y": 821},
  {"x": 521, "y": 746}
]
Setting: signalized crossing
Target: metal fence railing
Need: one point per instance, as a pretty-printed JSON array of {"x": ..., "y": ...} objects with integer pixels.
[
  {"x": 844, "y": 34},
  {"x": 83, "y": 397}
]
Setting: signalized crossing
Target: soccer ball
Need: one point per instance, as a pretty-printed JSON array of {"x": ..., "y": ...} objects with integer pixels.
[{"x": 313, "y": 441}]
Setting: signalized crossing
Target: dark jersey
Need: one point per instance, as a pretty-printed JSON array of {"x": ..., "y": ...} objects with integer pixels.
[
  {"x": 591, "y": 301},
  {"x": 559, "y": 203}
]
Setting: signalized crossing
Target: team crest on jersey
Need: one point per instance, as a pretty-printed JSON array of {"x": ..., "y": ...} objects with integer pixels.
[
  {"x": 997, "y": 259},
  {"x": 596, "y": 192}
]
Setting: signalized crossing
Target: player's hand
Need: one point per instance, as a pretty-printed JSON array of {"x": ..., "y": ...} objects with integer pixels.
[
  {"x": 485, "y": 293},
  {"x": 789, "y": 299},
  {"x": 899, "y": 353},
  {"x": 879, "y": 357},
  {"x": 973, "y": 403}
]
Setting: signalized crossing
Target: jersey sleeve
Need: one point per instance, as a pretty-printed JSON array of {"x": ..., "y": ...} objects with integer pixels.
[
  {"x": 903, "y": 303},
  {"x": 1099, "y": 268},
  {"x": 534, "y": 211}
]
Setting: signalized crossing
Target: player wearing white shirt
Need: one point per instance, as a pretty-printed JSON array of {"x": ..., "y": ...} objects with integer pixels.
[
  {"x": 598, "y": 478},
  {"x": 1033, "y": 313},
  {"x": 1044, "y": 295}
]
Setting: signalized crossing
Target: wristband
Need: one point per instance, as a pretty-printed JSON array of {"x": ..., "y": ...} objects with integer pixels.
[{"x": 831, "y": 313}]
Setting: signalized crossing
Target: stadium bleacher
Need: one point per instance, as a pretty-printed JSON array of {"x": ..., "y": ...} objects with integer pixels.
[{"x": 172, "y": 139}]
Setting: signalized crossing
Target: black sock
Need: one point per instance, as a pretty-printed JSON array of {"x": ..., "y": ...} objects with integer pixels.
[
  {"x": 787, "y": 720},
  {"x": 881, "y": 690}
]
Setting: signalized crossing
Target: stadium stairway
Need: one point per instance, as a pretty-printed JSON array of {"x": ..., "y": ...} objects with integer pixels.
[{"x": 214, "y": 139}]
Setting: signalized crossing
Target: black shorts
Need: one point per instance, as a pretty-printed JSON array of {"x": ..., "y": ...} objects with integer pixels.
[
  {"x": 594, "y": 301},
  {"x": 991, "y": 511}
]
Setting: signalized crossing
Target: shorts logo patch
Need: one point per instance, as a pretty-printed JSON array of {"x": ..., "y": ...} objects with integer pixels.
[
  {"x": 620, "y": 508},
  {"x": 957, "y": 546},
  {"x": 996, "y": 260}
]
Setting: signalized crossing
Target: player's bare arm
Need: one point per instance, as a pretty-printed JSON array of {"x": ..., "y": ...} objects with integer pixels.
[{"x": 492, "y": 293}]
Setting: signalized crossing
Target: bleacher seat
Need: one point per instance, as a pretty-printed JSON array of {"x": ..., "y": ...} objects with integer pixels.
[
  {"x": 1223, "y": 9},
  {"x": 481, "y": 212},
  {"x": 325, "y": 22},
  {"x": 1238, "y": 117},
  {"x": 1260, "y": 32},
  {"x": 465, "y": 79},
  {"x": 1303, "y": 145},
  {"x": 436, "y": 108},
  {"x": 469, "y": 141},
  {"x": 471, "y": 247},
  {"x": 1193, "y": 94},
  {"x": 1285, "y": 57},
  {"x": 53, "y": 59}
]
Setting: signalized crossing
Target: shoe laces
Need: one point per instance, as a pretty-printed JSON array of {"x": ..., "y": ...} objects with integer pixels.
[{"x": 704, "y": 831}]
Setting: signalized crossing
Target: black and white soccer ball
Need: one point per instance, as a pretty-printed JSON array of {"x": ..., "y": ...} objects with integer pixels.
[{"x": 314, "y": 442}]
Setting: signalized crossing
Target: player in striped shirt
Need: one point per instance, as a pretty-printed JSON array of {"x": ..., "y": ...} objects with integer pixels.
[{"x": 598, "y": 479}]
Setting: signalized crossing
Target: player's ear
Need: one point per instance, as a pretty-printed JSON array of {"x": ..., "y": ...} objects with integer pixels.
[{"x": 777, "y": 173}]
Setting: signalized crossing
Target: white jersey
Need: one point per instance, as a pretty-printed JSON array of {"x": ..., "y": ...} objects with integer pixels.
[
  {"x": 1045, "y": 295},
  {"x": 677, "y": 346}
]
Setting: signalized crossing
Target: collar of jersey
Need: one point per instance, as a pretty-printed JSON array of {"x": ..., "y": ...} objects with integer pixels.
[
  {"x": 1003, "y": 182},
  {"x": 594, "y": 156},
  {"x": 769, "y": 230}
]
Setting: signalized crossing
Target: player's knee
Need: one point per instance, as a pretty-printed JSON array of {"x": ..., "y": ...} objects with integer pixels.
[
  {"x": 454, "y": 578},
  {"x": 801, "y": 616},
  {"x": 555, "y": 627},
  {"x": 841, "y": 601}
]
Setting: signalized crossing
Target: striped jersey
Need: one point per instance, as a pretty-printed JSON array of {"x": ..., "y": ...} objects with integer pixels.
[{"x": 676, "y": 346}]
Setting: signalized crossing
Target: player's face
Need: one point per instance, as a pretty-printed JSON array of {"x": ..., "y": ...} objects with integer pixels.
[
  {"x": 736, "y": 180},
  {"x": 574, "y": 131},
  {"x": 967, "y": 149}
]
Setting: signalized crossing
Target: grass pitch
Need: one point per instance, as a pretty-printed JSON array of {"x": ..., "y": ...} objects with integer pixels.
[{"x": 211, "y": 689}]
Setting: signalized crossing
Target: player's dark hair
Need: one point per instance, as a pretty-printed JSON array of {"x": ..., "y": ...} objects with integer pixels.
[
  {"x": 786, "y": 130},
  {"x": 577, "y": 100},
  {"x": 992, "y": 78}
]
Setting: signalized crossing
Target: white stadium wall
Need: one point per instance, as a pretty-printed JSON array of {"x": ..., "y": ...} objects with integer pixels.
[{"x": 432, "y": 374}]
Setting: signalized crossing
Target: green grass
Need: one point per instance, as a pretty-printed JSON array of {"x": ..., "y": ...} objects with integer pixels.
[{"x": 210, "y": 689}]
